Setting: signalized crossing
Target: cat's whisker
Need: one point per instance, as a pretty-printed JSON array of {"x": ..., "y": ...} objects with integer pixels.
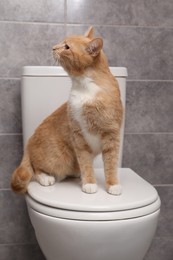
[
  {"x": 50, "y": 60},
  {"x": 55, "y": 63}
]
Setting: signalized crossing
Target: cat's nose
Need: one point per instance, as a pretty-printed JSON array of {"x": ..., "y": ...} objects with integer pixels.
[{"x": 55, "y": 48}]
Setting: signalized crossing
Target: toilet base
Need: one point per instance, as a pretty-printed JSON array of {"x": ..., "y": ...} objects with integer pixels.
[{"x": 64, "y": 239}]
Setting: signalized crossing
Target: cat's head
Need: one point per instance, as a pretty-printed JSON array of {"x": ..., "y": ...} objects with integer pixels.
[{"x": 77, "y": 53}]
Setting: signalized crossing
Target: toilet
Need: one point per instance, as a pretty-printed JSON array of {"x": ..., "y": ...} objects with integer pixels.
[{"x": 70, "y": 224}]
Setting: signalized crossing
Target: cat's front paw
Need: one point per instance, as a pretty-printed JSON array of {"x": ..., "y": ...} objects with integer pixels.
[
  {"x": 89, "y": 188},
  {"x": 45, "y": 179},
  {"x": 115, "y": 189}
]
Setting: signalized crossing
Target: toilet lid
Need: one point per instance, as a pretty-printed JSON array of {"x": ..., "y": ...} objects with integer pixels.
[{"x": 138, "y": 195}]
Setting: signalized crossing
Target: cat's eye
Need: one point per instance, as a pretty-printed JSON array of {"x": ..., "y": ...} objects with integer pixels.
[{"x": 66, "y": 46}]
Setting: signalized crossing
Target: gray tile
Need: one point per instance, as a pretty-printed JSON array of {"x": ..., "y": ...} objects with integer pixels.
[
  {"x": 121, "y": 12},
  {"x": 32, "y": 11},
  {"x": 77, "y": 29},
  {"x": 10, "y": 106},
  {"x": 161, "y": 249},
  {"x": 150, "y": 155},
  {"x": 149, "y": 107},
  {"x": 15, "y": 223},
  {"x": 165, "y": 225},
  {"x": 146, "y": 52},
  {"x": 154, "y": 12},
  {"x": 101, "y": 12},
  {"x": 10, "y": 156},
  {"x": 21, "y": 252},
  {"x": 27, "y": 44}
]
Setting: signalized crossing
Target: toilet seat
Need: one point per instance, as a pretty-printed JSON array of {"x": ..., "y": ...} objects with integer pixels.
[{"x": 66, "y": 200}]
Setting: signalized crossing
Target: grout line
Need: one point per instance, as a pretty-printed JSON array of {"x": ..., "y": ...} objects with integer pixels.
[
  {"x": 18, "y": 244},
  {"x": 149, "y": 133},
  {"x": 119, "y": 26},
  {"x": 163, "y": 237},
  {"x": 150, "y": 80},
  {"x": 34, "y": 23},
  {"x": 132, "y": 26},
  {"x": 163, "y": 185},
  {"x": 2, "y": 134},
  {"x": 87, "y": 24},
  {"x": 65, "y": 17},
  {"x": 13, "y": 78}
]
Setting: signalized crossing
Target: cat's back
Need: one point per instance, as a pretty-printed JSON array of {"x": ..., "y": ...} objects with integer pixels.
[{"x": 54, "y": 126}]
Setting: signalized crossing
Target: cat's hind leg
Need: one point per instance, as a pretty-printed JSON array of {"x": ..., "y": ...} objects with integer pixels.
[{"x": 45, "y": 179}]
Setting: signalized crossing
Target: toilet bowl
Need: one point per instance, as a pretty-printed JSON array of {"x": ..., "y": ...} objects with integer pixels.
[{"x": 70, "y": 224}]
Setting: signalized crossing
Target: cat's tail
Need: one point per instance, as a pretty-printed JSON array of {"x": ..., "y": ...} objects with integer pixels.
[{"x": 22, "y": 175}]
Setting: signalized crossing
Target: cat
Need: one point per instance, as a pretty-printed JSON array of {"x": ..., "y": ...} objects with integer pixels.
[{"x": 66, "y": 142}]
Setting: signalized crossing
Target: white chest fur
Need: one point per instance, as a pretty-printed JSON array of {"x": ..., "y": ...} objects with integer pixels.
[{"x": 84, "y": 91}]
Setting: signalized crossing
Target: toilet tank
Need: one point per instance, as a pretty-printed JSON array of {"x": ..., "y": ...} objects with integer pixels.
[{"x": 45, "y": 88}]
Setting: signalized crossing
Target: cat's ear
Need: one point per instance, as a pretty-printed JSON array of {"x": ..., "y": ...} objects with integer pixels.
[
  {"x": 90, "y": 33},
  {"x": 95, "y": 46}
]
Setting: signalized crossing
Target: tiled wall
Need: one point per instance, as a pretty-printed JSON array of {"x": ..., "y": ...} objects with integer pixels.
[{"x": 138, "y": 35}]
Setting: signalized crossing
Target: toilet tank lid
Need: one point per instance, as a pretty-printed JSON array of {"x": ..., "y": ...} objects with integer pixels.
[
  {"x": 53, "y": 71},
  {"x": 67, "y": 195}
]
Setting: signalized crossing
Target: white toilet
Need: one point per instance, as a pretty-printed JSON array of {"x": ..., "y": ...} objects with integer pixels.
[{"x": 70, "y": 224}]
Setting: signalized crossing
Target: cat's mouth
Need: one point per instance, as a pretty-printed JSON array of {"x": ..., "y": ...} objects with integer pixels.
[
  {"x": 56, "y": 56},
  {"x": 58, "y": 59}
]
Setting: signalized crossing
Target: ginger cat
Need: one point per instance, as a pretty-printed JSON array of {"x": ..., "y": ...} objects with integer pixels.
[{"x": 66, "y": 143}]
